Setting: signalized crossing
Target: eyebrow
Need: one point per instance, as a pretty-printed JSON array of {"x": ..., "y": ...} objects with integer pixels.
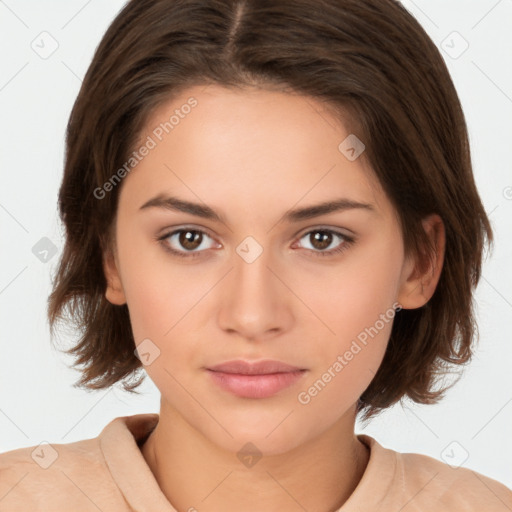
[{"x": 296, "y": 215}]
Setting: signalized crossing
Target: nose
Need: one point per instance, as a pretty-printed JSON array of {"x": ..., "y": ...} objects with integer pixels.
[{"x": 254, "y": 301}]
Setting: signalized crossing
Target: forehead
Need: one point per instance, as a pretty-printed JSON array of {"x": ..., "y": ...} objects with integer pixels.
[{"x": 254, "y": 146}]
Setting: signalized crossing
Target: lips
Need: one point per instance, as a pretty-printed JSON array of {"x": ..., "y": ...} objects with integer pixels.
[{"x": 262, "y": 379}]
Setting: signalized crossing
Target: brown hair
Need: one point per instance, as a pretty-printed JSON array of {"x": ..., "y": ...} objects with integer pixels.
[{"x": 366, "y": 59}]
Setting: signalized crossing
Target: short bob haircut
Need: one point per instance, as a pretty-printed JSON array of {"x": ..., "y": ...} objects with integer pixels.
[{"x": 373, "y": 64}]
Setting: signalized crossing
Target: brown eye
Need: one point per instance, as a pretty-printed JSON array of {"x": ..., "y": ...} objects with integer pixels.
[
  {"x": 320, "y": 239},
  {"x": 186, "y": 242},
  {"x": 189, "y": 239}
]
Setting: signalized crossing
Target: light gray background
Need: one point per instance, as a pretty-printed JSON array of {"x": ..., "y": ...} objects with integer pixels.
[{"x": 37, "y": 400}]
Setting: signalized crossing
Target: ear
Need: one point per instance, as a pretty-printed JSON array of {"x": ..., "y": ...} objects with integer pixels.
[
  {"x": 421, "y": 273},
  {"x": 114, "y": 292}
]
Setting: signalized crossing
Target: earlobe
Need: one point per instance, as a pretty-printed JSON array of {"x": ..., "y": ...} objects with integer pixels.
[
  {"x": 114, "y": 292},
  {"x": 421, "y": 273}
]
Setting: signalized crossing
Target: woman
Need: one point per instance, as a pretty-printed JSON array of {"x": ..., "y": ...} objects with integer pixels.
[{"x": 270, "y": 208}]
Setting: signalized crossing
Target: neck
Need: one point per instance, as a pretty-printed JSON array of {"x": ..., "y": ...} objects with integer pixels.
[{"x": 195, "y": 474}]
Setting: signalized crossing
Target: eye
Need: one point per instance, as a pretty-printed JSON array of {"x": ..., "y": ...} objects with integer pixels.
[
  {"x": 186, "y": 242},
  {"x": 191, "y": 242},
  {"x": 320, "y": 239}
]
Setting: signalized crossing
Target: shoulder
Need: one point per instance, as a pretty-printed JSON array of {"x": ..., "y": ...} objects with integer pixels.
[
  {"x": 54, "y": 476},
  {"x": 441, "y": 486},
  {"x": 412, "y": 482}
]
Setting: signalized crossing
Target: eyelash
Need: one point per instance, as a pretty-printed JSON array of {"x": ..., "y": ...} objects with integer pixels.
[{"x": 347, "y": 242}]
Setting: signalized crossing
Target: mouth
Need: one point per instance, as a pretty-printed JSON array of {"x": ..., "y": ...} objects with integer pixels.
[{"x": 255, "y": 380}]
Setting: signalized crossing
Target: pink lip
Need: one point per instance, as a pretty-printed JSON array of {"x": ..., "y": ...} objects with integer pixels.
[{"x": 255, "y": 380}]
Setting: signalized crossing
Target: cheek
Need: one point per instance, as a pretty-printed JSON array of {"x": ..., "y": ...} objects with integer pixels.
[
  {"x": 354, "y": 295},
  {"x": 348, "y": 361},
  {"x": 155, "y": 291},
  {"x": 357, "y": 304},
  {"x": 148, "y": 303},
  {"x": 160, "y": 301}
]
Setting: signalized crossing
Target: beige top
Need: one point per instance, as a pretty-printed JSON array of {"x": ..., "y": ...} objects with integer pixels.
[{"x": 108, "y": 473}]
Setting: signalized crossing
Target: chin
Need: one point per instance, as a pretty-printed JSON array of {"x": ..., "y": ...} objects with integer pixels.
[{"x": 271, "y": 436}]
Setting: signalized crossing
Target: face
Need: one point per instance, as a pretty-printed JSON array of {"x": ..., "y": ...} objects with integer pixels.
[{"x": 244, "y": 275}]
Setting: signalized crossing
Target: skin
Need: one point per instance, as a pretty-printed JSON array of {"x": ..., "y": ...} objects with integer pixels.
[{"x": 252, "y": 155}]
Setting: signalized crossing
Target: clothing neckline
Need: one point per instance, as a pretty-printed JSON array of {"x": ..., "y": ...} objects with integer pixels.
[
  {"x": 122, "y": 439},
  {"x": 129, "y": 469}
]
